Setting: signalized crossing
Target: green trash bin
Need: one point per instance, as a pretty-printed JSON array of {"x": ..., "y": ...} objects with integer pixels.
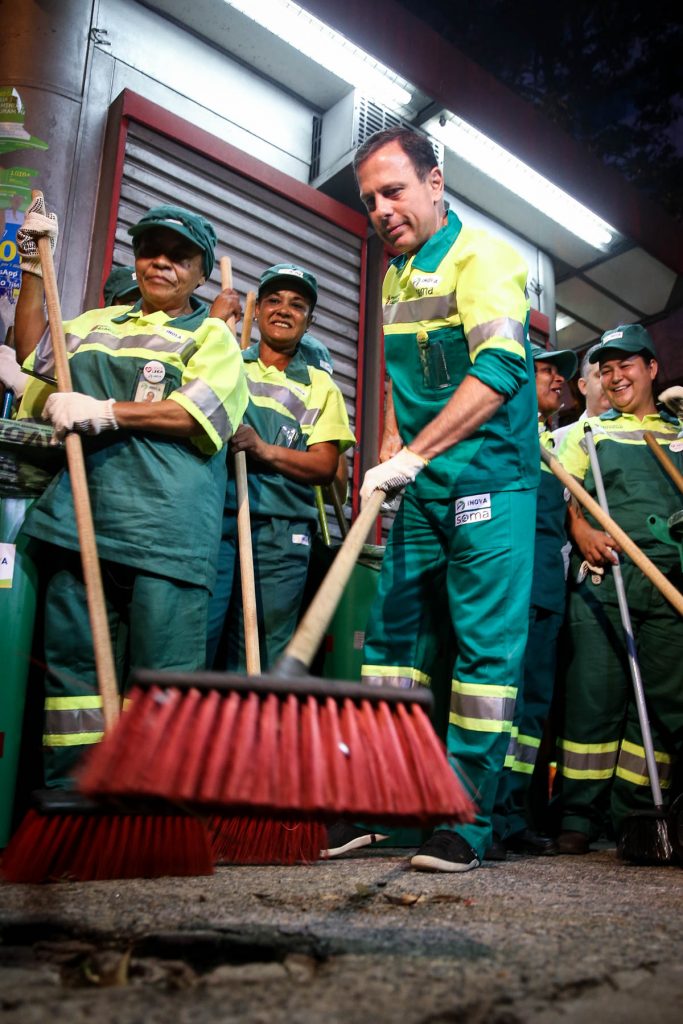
[
  {"x": 27, "y": 464},
  {"x": 346, "y": 633}
]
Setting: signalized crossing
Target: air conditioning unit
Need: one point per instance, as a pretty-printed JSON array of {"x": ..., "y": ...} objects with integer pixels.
[{"x": 344, "y": 127}]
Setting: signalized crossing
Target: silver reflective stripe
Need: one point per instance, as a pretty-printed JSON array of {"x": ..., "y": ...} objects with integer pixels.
[
  {"x": 503, "y": 327},
  {"x": 637, "y": 765},
  {"x": 495, "y": 709},
  {"x": 152, "y": 342},
  {"x": 44, "y": 361},
  {"x": 208, "y": 402},
  {"x": 589, "y": 762},
  {"x": 73, "y": 722},
  {"x": 626, "y": 435},
  {"x": 412, "y": 311},
  {"x": 522, "y": 752},
  {"x": 402, "y": 682},
  {"x": 283, "y": 396}
]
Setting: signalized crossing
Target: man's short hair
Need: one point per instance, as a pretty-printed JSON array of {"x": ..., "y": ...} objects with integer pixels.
[{"x": 415, "y": 145}]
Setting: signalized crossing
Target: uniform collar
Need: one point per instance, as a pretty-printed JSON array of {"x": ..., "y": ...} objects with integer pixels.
[
  {"x": 430, "y": 254},
  {"x": 188, "y": 321},
  {"x": 296, "y": 369},
  {"x": 661, "y": 414}
]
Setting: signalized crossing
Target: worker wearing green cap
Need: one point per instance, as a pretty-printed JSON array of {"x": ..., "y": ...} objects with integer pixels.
[
  {"x": 294, "y": 430},
  {"x": 513, "y": 827},
  {"x": 159, "y": 390},
  {"x": 602, "y": 758}
]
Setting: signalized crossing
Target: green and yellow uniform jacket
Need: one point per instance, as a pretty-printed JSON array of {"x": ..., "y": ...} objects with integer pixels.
[
  {"x": 156, "y": 500},
  {"x": 548, "y": 585},
  {"x": 635, "y": 483},
  {"x": 458, "y": 307},
  {"x": 295, "y": 407}
]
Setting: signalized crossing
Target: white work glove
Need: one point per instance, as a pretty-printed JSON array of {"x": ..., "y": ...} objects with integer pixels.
[
  {"x": 10, "y": 372},
  {"x": 69, "y": 410},
  {"x": 37, "y": 223},
  {"x": 672, "y": 398},
  {"x": 393, "y": 475}
]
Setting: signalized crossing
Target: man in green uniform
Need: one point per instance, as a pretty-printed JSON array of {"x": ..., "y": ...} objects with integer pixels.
[
  {"x": 602, "y": 757},
  {"x": 511, "y": 822},
  {"x": 293, "y": 432},
  {"x": 159, "y": 389},
  {"x": 457, "y": 354}
]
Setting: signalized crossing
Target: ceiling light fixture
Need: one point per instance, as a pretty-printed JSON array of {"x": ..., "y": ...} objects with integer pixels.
[
  {"x": 497, "y": 163},
  {"x": 328, "y": 48}
]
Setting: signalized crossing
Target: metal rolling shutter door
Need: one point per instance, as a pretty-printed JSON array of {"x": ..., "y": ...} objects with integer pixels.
[{"x": 256, "y": 228}]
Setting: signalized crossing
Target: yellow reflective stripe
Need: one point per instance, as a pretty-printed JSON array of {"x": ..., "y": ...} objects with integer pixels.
[
  {"x": 522, "y": 767},
  {"x": 632, "y": 748},
  {"x": 589, "y": 748},
  {"x": 640, "y": 780},
  {"x": 51, "y": 739},
  {"x": 72, "y": 703},
  {"x": 575, "y": 773},
  {"x": 479, "y": 724},
  {"x": 483, "y": 689},
  {"x": 529, "y": 741},
  {"x": 388, "y": 674}
]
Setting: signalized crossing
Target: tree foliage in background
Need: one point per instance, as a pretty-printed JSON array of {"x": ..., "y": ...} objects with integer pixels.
[{"x": 607, "y": 71}]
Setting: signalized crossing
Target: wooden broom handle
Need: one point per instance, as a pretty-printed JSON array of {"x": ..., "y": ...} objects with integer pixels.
[
  {"x": 311, "y": 629},
  {"x": 97, "y": 611},
  {"x": 251, "y": 639},
  {"x": 640, "y": 559},
  {"x": 664, "y": 460}
]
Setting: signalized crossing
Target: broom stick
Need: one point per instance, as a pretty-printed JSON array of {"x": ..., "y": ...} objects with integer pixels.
[
  {"x": 608, "y": 524},
  {"x": 97, "y": 612},
  {"x": 249, "y": 614},
  {"x": 664, "y": 460}
]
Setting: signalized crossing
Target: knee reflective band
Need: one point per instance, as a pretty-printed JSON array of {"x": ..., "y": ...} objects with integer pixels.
[
  {"x": 588, "y": 760},
  {"x": 481, "y": 707},
  {"x": 403, "y": 676},
  {"x": 521, "y": 753},
  {"x": 73, "y": 721},
  {"x": 632, "y": 766}
]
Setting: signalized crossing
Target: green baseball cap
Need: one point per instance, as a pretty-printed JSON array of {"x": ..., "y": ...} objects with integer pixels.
[
  {"x": 288, "y": 275},
  {"x": 190, "y": 225},
  {"x": 564, "y": 359},
  {"x": 120, "y": 283},
  {"x": 631, "y": 338}
]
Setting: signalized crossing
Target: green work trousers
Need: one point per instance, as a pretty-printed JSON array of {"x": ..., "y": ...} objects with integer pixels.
[
  {"x": 510, "y": 814},
  {"x": 473, "y": 577},
  {"x": 281, "y": 550},
  {"x": 602, "y": 757},
  {"x": 154, "y": 623}
]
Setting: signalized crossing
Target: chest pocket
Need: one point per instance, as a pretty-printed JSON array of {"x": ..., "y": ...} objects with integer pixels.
[{"x": 443, "y": 358}]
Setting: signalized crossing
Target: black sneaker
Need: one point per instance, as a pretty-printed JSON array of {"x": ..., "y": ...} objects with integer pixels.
[
  {"x": 343, "y": 837},
  {"x": 445, "y": 851}
]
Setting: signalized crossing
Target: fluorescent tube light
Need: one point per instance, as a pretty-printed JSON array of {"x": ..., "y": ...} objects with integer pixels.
[
  {"x": 563, "y": 320},
  {"x": 328, "y": 48},
  {"x": 497, "y": 163}
]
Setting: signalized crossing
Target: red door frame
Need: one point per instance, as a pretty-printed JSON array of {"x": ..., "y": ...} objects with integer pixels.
[{"x": 135, "y": 108}]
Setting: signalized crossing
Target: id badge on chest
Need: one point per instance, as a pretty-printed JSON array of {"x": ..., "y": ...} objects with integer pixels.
[{"x": 151, "y": 382}]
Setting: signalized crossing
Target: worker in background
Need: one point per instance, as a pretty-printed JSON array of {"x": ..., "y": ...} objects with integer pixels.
[
  {"x": 293, "y": 432},
  {"x": 458, "y": 357},
  {"x": 603, "y": 765},
  {"x": 513, "y": 828},
  {"x": 590, "y": 386},
  {"x": 156, "y": 469}
]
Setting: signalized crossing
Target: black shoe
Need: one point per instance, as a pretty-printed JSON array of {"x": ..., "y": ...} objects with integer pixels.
[
  {"x": 497, "y": 850},
  {"x": 342, "y": 837},
  {"x": 445, "y": 851},
  {"x": 532, "y": 844},
  {"x": 575, "y": 844}
]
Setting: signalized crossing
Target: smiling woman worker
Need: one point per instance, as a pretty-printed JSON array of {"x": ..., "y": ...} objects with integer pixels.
[{"x": 162, "y": 387}]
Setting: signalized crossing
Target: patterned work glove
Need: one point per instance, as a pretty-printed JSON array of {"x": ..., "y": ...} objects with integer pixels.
[
  {"x": 393, "y": 475},
  {"x": 69, "y": 410},
  {"x": 672, "y": 398},
  {"x": 37, "y": 223},
  {"x": 10, "y": 372}
]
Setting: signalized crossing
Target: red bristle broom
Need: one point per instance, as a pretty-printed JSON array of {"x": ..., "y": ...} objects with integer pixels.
[
  {"x": 65, "y": 836},
  {"x": 286, "y": 743},
  {"x": 242, "y": 839}
]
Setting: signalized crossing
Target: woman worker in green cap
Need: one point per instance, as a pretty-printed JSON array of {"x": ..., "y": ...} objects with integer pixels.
[{"x": 147, "y": 462}]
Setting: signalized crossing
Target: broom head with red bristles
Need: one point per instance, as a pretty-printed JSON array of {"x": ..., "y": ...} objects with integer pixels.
[
  {"x": 269, "y": 840},
  {"x": 267, "y": 746},
  {"x": 67, "y": 837}
]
